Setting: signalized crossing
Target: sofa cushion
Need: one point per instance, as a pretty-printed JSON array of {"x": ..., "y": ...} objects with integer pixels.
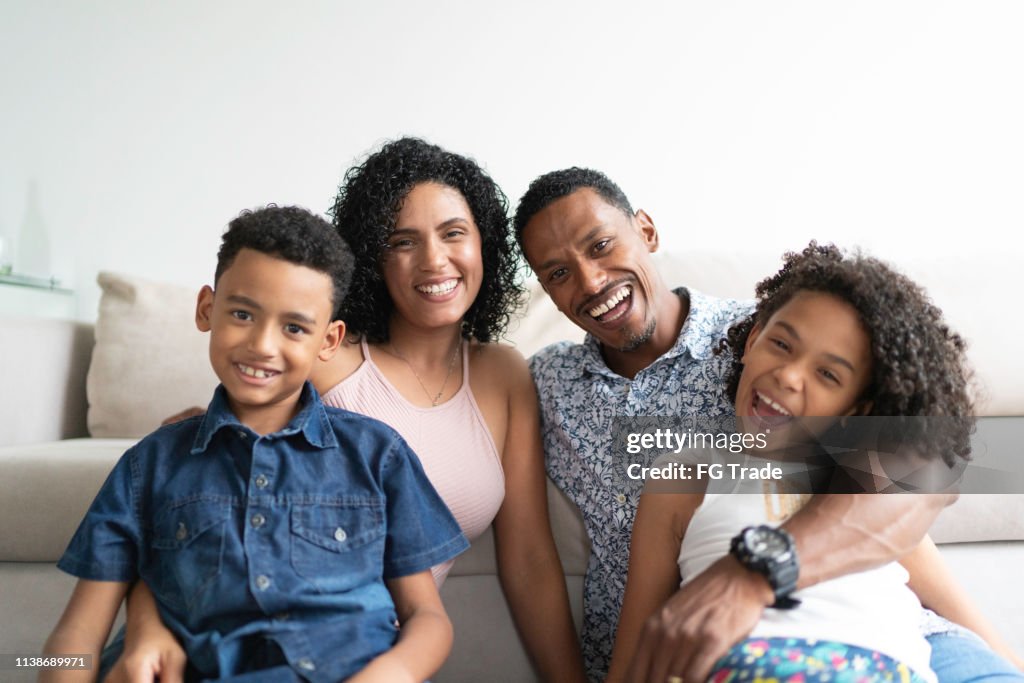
[{"x": 149, "y": 361}]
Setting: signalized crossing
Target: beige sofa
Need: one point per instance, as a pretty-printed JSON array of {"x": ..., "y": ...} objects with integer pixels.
[{"x": 143, "y": 361}]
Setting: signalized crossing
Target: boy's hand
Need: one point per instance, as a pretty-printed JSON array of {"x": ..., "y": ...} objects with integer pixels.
[
  {"x": 164, "y": 665},
  {"x": 183, "y": 415}
]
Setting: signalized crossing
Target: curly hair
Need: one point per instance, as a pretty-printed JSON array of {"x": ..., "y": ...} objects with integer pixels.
[
  {"x": 557, "y": 184},
  {"x": 292, "y": 234},
  {"x": 367, "y": 206},
  {"x": 918, "y": 363}
]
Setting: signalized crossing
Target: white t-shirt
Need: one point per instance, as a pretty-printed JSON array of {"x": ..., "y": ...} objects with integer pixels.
[{"x": 873, "y": 609}]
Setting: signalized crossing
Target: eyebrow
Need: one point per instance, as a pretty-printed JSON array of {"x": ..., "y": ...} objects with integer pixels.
[
  {"x": 442, "y": 224},
  {"x": 831, "y": 356},
  {"x": 582, "y": 242},
  {"x": 251, "y": 303}
]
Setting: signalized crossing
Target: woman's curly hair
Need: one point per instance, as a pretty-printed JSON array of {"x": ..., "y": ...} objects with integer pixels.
[
  {"x": 367, "y": 206},
  {"x": 918, "y": 363}
]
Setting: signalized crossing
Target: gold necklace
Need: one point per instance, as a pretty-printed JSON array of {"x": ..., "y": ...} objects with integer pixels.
[{"x": 451, "y": 365}]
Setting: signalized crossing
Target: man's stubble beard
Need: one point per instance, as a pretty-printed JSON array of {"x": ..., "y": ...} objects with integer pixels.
[{"x": 635, "y": 341}]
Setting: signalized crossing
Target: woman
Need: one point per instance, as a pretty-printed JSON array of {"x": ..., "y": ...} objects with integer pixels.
[{"x": 433, "y": 288}]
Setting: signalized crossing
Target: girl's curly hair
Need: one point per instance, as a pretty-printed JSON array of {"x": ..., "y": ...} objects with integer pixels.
[
  {"x": 367, "y": 206},
  {"x": 918, "y": 363}
]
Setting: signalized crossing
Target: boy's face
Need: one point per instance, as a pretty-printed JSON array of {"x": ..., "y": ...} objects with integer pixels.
[{"x": 269, "y": 321}]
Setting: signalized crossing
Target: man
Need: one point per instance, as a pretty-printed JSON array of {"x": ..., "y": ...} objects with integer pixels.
[{"x": 649, "y": 351}]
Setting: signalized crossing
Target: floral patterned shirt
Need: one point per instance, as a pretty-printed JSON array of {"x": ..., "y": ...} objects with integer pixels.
[{"x": 579, "y": 398}]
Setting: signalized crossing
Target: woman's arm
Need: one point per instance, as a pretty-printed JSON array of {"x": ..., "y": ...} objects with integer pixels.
[
  {"x": 938, "y": 590},
  {"x": 528, "y": 564},
  {"x": 151, "y": 652},
  {"x": 425, "y": 638},
  {"x": 661, "y": 521},
  {"x": 84, "y": 627}
]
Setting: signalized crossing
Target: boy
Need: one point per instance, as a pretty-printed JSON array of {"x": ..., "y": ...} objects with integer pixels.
[{"x": 267, "y": 528}]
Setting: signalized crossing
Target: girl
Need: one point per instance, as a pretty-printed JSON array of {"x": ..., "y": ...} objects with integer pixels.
[{"x": 832, "y": 335}]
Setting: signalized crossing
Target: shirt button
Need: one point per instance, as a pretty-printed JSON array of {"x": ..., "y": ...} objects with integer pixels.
[
  {"x": 242, "y": 435},
  {"x": 307, "y": 664},
  {"x": 621, "y": 498},
  {"x": 263, "y": 582},
  {"x": 340, "y": 535},
  {"x": 182, "y": 533},
  {"x": 261, "y": 482},
  {"x": 282, "y": 616},
  {"x": 258, "y": 520}
]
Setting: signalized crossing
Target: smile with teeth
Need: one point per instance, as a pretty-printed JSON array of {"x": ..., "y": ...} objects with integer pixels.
[
  {"x": 610, "y": 303},
  {"x": 761, "y": 399},
  {"x": 439, "y": 288},
  {"x": 258, "y": 373}
]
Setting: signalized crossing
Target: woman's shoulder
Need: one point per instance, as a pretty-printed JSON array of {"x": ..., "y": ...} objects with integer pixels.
[{"x": 500, "y": 364}]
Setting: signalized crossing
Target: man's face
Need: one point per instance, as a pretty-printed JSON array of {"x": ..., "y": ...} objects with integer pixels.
[{"x": 595, "y": 263}]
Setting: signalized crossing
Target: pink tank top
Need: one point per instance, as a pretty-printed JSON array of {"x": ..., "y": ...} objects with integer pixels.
[{"x": 452, "y": 441}]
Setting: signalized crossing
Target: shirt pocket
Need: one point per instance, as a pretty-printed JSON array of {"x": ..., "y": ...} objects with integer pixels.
[
  {"x": 338, "y": 545},
  {"x": 188, "y": 545}
]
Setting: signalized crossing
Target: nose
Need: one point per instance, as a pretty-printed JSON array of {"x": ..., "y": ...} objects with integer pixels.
[
  {"x": 263, "y": 341},
  {"x": 435, "y": 255},
  {"x": 592, "y": 276},
  {"x": 790, "y": 376}
]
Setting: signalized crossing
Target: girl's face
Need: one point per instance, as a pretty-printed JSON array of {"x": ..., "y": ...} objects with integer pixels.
[
  {"x": 432, "y": 263},
  {"x": 812, "y": 358}
]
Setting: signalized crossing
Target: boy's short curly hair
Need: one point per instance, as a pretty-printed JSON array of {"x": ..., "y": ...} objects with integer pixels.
[
  {"x": 292, "y": 234},
  {"x": 552, "y": 186},
  {"x": 918, "y": 363},
  {"x": 367, "y": 206}
]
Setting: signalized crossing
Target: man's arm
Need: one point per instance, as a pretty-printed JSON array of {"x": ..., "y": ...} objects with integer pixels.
[
  {"x": 842, "y": 534},
  {"x": 835, "y": 535}
]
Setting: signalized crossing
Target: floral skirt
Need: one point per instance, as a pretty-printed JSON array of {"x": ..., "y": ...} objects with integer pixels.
[{"x": 795, "y": 660}]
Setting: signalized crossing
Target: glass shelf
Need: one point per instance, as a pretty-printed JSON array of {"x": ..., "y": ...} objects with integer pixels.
[{"x": 49, "y": 284}]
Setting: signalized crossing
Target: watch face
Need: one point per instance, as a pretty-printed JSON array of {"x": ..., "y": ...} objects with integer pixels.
[{"x": 765, "y": 542}]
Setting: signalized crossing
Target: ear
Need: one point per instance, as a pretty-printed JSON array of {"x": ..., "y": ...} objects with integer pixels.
[
  {"x": 332, "y": 339},
  {"x": 859, "y": 409},
  {"x": 648, "y": 232},
  {"x": 204, "y": 308},
  {"x": 755, "y": 332}
]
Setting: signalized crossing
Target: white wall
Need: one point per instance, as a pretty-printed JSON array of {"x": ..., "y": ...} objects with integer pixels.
[{"x": 131, "y": 132}]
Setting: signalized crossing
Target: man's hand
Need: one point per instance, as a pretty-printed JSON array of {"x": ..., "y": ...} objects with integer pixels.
[{"x": 699, "y": 624}]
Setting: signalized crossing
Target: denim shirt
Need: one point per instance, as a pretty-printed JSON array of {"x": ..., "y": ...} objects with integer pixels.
[
  {"x": 286, "y": 537},
  {"x": 580, "y": 396}
]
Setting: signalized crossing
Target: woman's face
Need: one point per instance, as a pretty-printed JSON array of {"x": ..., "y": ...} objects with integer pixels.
[
  {"x": 812, "y": 358},
  {"x": 432, "y": 264}
]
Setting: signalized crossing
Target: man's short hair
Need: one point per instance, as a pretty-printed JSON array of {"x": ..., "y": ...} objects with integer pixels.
[
  {"x": 291, "y": 234},
  {"x": 557, "y": 184}
]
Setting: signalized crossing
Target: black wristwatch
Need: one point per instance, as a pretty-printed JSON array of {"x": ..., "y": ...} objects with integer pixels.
[{"x": 770, "y": 552}]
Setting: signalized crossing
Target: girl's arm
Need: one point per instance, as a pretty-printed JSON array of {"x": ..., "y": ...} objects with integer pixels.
[
  {"x": 151, "y": 652},
  {"x": 528, "y": 564},
  {"x": 84, "y": 627},
  {"x": 425, "y": 638},
  {"x": 938, "y": 590},
  {"x": 661, "y": 521}
]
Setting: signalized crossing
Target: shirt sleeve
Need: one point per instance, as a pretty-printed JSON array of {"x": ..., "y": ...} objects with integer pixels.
[
  {"x": 421, "y": 531},
  {"x": 105, "y": 547}
]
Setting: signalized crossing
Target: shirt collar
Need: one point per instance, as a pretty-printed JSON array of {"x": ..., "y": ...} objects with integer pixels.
[
  {"x": 693, "y": 337},
  {"x": 311, "y": 421}
]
